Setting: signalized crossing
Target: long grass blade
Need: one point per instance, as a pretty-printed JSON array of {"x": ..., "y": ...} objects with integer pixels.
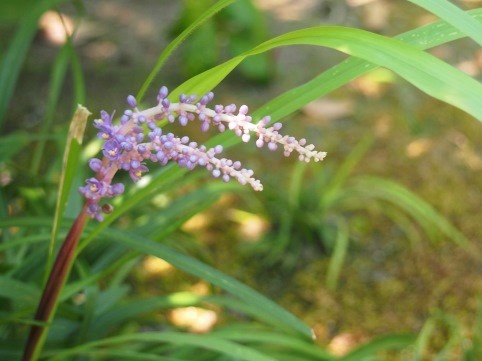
[
  {"x": 420, "y": 210},
  {"x": 57, "y": 77},
  {"x": 178, "y": 40},
  {"x": 430, "y": 74},
  {"x": 453, "y": 15},
  {"x": 17, "y": 50},
  {"x": 338, "y": 257},
  {"x": 278, "y": 315},
  {"x": 372, "y": 348},
  {"x": 233, "y": 350},
  {"x": 69, "y": 167}
]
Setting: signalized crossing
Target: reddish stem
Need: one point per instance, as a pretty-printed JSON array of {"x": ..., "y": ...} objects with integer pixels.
[{"x": 56, "y": 280}]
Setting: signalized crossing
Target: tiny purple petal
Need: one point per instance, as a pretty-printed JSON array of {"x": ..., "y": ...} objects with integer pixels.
[{"x": 112, "y": 149}]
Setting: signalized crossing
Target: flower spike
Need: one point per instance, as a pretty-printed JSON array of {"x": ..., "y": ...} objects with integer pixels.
[{"x": 138, "y": 138}]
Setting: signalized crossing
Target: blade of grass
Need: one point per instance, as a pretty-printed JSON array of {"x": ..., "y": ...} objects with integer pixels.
[
  {"x": 453, "y": 15},
  {"x": 384, "y": 343},
  {"x": 423, "y": 38},
  {"x": 126, "y": 355},
  {"x": 17, "y": 50},
  {"x": 331, "y": 190},
  {"x": 291, "y": 343},
  {"x": 59, "y": 69},
  {"x": 178, "y": 40},
  {"x": 423, "y": 339},
  {"x": 18, "y": 291},
  {"x": 279, "y": 316},
  {"x": 338, "y": 257},
  {"x": 77, "y": 77},
  {"x": 420, "y": 210},
  {"x": 430, "y": 74},
  {"x": 233, "y": 350},
  {"x": 69, "y": 166}
]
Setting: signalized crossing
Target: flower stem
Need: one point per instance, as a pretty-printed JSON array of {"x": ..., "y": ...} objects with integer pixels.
[{"x": 58, "y": 275}]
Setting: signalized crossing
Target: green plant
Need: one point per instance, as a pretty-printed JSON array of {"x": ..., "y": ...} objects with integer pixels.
[
  {"x": 318, "y": 217},
  {"x": 36, "y": 217}
]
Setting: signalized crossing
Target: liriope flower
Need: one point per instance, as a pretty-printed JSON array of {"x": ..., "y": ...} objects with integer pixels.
[{"x": 138, "y": 139}]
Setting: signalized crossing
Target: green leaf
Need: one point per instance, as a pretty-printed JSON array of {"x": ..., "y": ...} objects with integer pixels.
[
  {"x": 233, "y": 350},
  {"x": 453, "y": 15},
  {"x": 423, "y": 38},
  {"x": 423, "y": 339},
  {"x": 12, "y": 144},
  {"x": 372, "y": 348},
  {"x": 57, "y": 77},
  {"x": 23, "y": 241},
  {"x": 69, "y": 167},
  {"x": 278, "y": 315},
  {"x": 17, "y": 50},
  {"x": 178, "y": 40},
  {"x": 17, "y": 291},
  {"x": 290, "y": 343},
  {"x": 421, "y": 211},
  {"x": 338, "y": 257}
]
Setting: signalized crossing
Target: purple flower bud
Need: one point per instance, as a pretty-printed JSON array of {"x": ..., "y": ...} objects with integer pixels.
[
  {"x": 117, "y": 189},
  {"x": 127, "y": 146},
  {"x": 166, "y": 103},
  {"x": 141, "y": 148},
  {"x": 95, "y": 164},
  {"x": 135, "y": 164},
  {"x": 243, "y": 109},
  {"x": 131, "y": 101},
  {"x": 163, "y": 92},
  {"x": 183, "y": 120},
  {"x": 205, "y": 127}
]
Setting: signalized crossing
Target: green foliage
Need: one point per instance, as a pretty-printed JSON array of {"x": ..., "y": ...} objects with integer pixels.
[
  {"x": 98, "y": 317},
  {"x": 320, "y": 214},
  {"x": 241, "y": 26}
]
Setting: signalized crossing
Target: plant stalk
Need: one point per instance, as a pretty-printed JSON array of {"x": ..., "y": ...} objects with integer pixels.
[{"x": 58, "y": 275}]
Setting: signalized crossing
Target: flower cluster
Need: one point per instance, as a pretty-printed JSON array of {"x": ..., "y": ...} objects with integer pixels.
[{"x": 139, "y": 138}]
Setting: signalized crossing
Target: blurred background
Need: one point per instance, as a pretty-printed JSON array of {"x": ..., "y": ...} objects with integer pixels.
[{"x": 343, "y": 244}]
